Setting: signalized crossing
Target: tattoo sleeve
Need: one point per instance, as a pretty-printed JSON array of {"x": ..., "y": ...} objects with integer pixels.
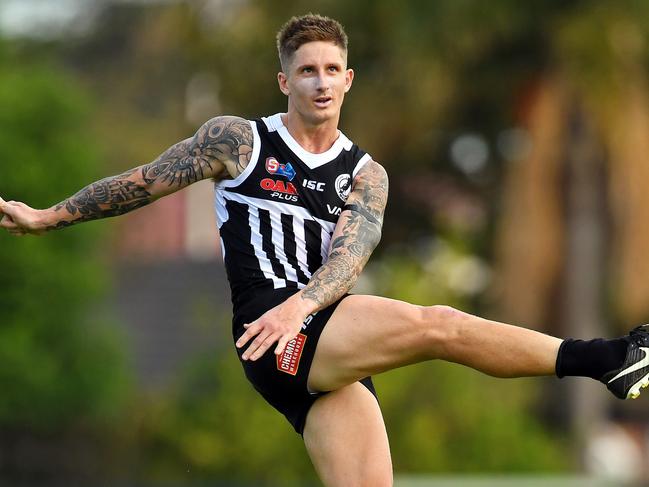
[
  {"x": 222, "y": 147},
  {"x": 357, "y": 233}
]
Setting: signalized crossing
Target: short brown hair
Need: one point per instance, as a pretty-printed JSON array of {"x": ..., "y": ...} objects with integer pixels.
[{"x": 308, "y": 28}]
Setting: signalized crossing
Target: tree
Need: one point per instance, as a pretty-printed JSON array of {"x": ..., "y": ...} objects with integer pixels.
[{"x": 61, "y": 370}]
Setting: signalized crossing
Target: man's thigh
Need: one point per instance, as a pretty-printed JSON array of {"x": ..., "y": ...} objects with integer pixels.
[
  {"x": 346, "y": 439},
  {"x": 367, "y": 335}
]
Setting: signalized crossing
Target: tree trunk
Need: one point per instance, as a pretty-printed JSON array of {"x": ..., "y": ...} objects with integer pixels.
[{"x": 584, "y": 265}]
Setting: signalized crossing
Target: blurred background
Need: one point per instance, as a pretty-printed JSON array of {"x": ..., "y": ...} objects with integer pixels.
[{"x": 516, "y": 137}]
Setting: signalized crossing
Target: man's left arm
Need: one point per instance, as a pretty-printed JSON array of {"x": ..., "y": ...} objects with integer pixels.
[
  {"x": 357, "y": 233},
  {"x": 355, "y": 237}
]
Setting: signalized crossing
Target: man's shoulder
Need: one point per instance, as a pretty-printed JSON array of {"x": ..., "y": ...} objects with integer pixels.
[
  {"x": 226, "y": 121},
  {"x": 228, "y": 138},
  {"x": 225, "y": 129}
]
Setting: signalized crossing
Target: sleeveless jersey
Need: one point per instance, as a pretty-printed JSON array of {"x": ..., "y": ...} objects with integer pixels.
[{"x": 277, "y": 217}]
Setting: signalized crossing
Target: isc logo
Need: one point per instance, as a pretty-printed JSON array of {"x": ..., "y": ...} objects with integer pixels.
[{"x": 313, "y": 185}]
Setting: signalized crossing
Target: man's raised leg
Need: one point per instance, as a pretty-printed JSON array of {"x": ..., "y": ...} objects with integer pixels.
[
  {"x": 367, "y": 335},
  {"x": 346, "y": 439}
]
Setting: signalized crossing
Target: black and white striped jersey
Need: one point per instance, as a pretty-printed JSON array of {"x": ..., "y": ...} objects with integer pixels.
[{"x": 277, "y": 217}]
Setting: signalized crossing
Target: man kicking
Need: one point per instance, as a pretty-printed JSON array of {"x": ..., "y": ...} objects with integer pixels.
[{"x": 300, "y": 209}]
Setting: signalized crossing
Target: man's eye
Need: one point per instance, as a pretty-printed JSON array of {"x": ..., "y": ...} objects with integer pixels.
[
  {"x": 333, "y": 68},
  {"x": 307, "y": 70}
]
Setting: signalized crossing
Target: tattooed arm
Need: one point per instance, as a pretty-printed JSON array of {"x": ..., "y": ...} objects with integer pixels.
[
  {"x": 221, "y": 148},
  {"x": 357, "y": 233}
]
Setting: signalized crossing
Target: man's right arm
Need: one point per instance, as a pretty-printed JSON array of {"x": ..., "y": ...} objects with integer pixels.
[{"x": 221, "y": 148}]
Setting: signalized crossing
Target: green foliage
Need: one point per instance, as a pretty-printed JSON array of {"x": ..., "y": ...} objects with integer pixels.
[
  {"x": 58, "y": 363},
  {"x": 445, "y": 418},
  {"x": 217, "y": 426}
]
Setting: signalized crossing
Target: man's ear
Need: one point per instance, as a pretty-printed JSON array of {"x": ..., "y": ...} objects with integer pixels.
[
  {"x": 282, "y": 80},
  {"x": 349, "y": 77}
]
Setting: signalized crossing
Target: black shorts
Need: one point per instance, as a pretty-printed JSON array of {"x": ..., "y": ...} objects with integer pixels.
[{"x": 282, "y": 380}]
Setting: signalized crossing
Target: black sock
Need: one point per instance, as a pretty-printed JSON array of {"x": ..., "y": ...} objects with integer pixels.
[{"x": 590, "y": 358}]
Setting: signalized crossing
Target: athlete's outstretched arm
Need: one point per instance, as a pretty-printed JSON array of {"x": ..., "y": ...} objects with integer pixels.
[
  {"x": 221, "y": 147},
  {"x": 357, "y": 233}
]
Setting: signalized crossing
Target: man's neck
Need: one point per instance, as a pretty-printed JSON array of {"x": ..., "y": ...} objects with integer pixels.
[{"x": 313, "y": 138}]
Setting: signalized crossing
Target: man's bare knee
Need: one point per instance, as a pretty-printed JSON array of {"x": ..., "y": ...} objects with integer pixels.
[{"x": 440, "y": 327}]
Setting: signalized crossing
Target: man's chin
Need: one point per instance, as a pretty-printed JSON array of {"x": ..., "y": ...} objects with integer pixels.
[{"x": 324, "y": 114}]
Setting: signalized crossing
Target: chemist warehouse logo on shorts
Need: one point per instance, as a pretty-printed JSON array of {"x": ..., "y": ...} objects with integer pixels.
[
  {"x": 280, "y": 189},
  {"x": 289, "y": 360}
]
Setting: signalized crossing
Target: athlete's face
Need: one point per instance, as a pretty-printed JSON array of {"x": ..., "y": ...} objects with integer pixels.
[{"x": 316, "y": 81}]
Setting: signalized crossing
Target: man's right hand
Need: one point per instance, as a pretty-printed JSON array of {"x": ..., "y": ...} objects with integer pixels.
[{"x": 19, "y": 219}]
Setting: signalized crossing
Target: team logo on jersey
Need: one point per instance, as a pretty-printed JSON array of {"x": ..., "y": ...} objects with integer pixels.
[
  {"x": 343, "y": 186},
  {"x": 289, "y": 360},
  {"x": 275, "y": 168},
  {"x": 279, "y": 189}
]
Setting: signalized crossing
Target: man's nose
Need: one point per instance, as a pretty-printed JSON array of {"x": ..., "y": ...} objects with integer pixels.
[{"x": 322, "y": 82}]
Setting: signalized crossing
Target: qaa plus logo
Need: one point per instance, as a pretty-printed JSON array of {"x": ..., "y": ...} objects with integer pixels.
[{"x": 279, "y": 189}]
